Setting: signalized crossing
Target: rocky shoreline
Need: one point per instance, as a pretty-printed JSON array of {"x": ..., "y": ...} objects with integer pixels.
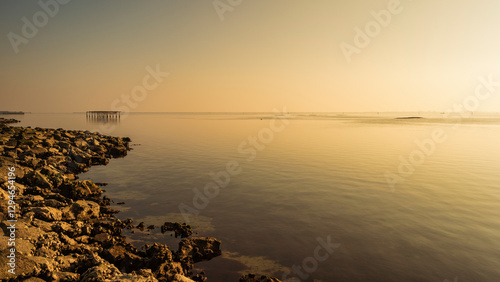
[{"x": 63, "y": 229}]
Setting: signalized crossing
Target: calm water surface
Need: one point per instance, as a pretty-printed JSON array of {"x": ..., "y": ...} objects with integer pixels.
[{"x": 321, "y": 176}]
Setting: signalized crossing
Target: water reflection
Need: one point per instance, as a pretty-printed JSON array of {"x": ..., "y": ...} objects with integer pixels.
[{"x": 103, "y": 117}]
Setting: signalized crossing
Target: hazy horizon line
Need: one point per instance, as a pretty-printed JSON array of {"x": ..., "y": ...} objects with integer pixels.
[{"x": 258, "y": 112}]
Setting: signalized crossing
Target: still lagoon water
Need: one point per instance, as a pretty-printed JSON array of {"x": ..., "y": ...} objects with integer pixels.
[{"x": 314, "y": 197}]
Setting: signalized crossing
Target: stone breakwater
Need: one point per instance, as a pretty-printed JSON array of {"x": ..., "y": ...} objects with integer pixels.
[
  {"x": 54, "y": 227},
  {"x": 57, "y": 228}
]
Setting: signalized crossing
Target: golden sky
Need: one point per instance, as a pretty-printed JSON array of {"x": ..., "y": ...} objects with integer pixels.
[{"x": 247, "y": 55}]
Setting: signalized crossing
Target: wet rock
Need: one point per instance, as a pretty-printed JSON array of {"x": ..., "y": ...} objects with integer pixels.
[
  {"x": 64, "y": 229},
  {"x": 123, "y": 258},
  {"x": 118, "y": 151},
  {"x": 179, "y": 229},
  {"x": 258, "y": 278},
  {"x": 198, "y": 249}
]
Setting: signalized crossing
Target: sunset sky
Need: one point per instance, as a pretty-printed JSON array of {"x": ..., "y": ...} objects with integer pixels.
[{"x": 254, "y": 56}]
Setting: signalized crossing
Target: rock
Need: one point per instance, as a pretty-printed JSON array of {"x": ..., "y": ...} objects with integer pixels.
[
  {"x": 39, "y": 179},
  {"x": 24, "y": 267},
  {"x": 67, "y": 134},
  {"x": 23, "y": 246},
  {"x": 81, "y": 190},
  {"x": 34, "y": 279},
  {"x": 258, "y": 278},
  {"x": 67, "y": 240},
  {"x": 81, "y": 144},
  {"x": 47, "y": 213},
  {"x": 64, "y": 276},
  {"x": 4, "y": 195},
  {"x": 199, "y": 249},
  {"x": 63, "y": 227},
  {"x": 99, "y": 160},
  {"x": 100, "y": 272},
  {"x": 85, "y": 210},
  {"x": 181, "y": 278},
  {"x": 43, "y": 264},
  {"x": 118, "y": 151},
  {"x": 135, "y": 278},
  {"x": 49, "y": 142},
  {"x": 54, "y": 203},
  {"x": 39, "y": 151},
  {"x": 102, "y": 237},
  {"x": 123, "y": 258},
  {"x": 179, "y": 229},
  {"x": 42, "y": 225},
  {"x": 140, "y": 226}
]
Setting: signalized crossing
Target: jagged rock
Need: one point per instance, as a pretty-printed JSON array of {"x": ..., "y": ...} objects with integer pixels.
[
  {"x": 81, "y": 189},
  {"x": 258, "y": 278},
  {"x": 140, "y": 226},
  {"x": 102, "y": 237},
  {"x": 39, "y": 151},
  {"x": 181, "y": 278},
  {"x": 198, "y": 249},
  {"x": 39, "y": 179},
  {"x": 24, "y": 267},
  {"x": 61, "y": 227},
  {"x": 67, "y": 240},
  {"x": 68, "y": 262},
  {"x": 47, "y": 213},
  {"x": 179, "y": 229},
  {"x": 118, "y": 151},
  {"x": 34, "y": 279},
  {"x": 85, "y": 210},
  {"x": 49, "y": 142},
  {"x": 43, "y": 264},
  {"x": 123, "y": 258},
  {"x": 81, "y": 144},
  {"x": 100, "y": 272},
  {"x": 64, "y": 276}
]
